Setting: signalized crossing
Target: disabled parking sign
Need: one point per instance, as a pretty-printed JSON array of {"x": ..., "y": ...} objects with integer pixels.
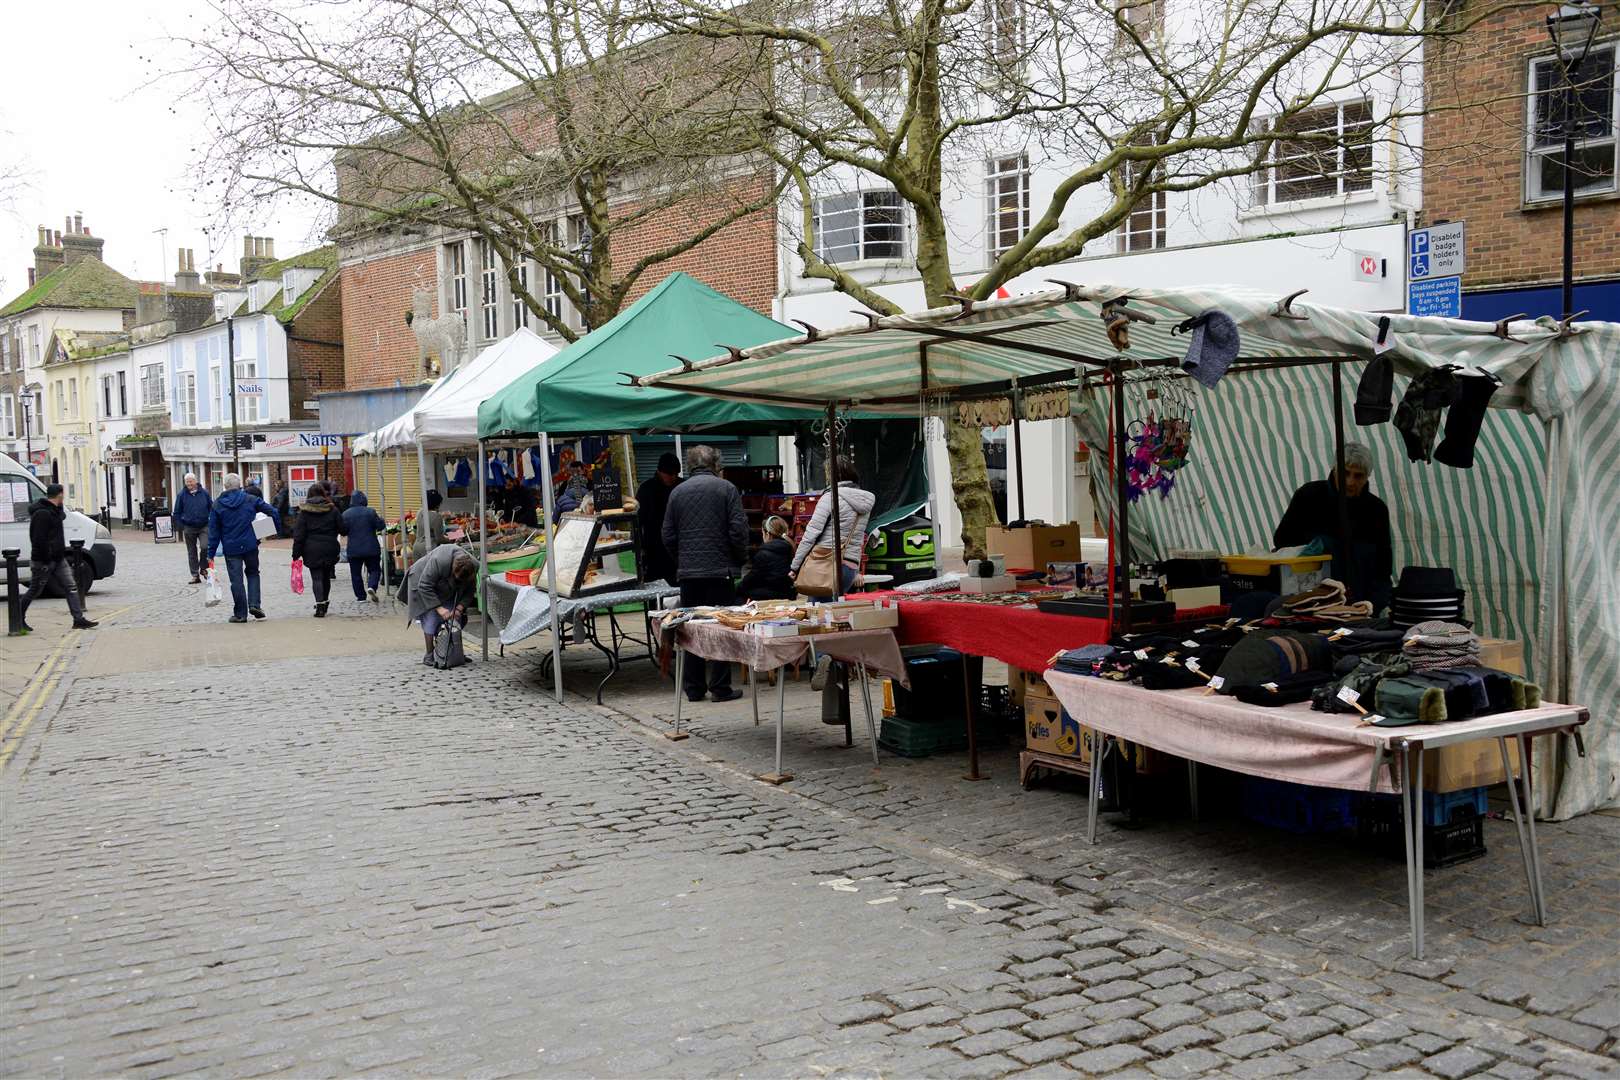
[{"x": 1436, "y": 252}]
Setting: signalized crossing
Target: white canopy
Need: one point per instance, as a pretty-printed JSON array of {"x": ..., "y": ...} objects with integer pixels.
[{"x": 446, "y": 418}]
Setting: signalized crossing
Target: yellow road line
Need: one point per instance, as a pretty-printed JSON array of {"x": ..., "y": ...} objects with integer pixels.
[
  {"x": 22, "y": 728},
  {"x": 39, "y": 692},
  {"x": 25, "y": 699}
]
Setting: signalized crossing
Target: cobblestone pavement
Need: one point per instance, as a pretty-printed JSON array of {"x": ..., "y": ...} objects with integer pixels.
[{"x": 278, "y": 858}]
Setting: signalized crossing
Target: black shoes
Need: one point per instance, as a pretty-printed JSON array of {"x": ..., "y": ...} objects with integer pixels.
[
  {"x": 195, "y": 580},
  {"x": 238, "y": 618},
  {"x": 320, "y": 609},
  {"x": 257, "y": 613},
  {"x": 730, "y": 693},
  {"x": 85, "y": 624}
]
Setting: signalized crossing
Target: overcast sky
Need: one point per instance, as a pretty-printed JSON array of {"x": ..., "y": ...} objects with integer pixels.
[{"x": 77, "y": 115}]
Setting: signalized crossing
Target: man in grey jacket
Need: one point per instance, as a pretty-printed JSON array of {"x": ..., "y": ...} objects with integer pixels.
[{"x": 706, "y": 535}]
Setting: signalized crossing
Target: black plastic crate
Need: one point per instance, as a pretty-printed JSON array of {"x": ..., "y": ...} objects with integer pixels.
[{"x": 1379, "y": 826}]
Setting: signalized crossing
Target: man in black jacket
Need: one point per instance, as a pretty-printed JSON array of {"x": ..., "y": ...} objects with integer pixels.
[
  {"x": 706, "y": 534},
  {"x": 652, "y": 503},
  {"x": 1313, "y": 513},
  {"x": 48, "y": 551}
]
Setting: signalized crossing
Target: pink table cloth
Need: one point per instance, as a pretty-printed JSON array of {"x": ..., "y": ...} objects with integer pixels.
[
  {"x": 1290, "y": 742},
  {"x": 876, "y": 649}
]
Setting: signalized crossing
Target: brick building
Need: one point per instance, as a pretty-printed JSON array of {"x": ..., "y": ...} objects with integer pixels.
[{"x": 1498, "y": 167}]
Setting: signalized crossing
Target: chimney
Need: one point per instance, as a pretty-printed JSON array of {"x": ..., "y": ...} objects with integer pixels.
[
  {"x": 78, "y": 244},
  {"x": 47, "y": 255},
  {"x": 30, "y": 277},
  {"x": 257, "y": 253},
  {"x": 186, "y": 278},
  {"x": 151, "y": 303},
  {"x": 217, "y": 278}
]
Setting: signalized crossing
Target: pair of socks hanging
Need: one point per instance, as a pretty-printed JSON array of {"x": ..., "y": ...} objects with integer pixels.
[{"x": 1418, "y": 418}]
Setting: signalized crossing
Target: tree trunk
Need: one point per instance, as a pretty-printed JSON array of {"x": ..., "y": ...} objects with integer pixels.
[{"x": 970, "y": 478}]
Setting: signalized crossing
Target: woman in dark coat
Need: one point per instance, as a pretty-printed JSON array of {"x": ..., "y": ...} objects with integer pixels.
[
  {"x": 315, "y": 540},
  {"x": 767, "y": 577}
]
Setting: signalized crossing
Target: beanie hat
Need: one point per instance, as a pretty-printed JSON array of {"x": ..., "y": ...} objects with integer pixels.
[{"x": 1215, "y": 344}]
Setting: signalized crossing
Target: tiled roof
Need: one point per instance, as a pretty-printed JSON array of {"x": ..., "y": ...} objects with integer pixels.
[{"x": 88, "y": 283}]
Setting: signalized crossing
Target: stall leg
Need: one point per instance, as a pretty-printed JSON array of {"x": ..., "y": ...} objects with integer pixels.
[
  {"x": 779, "y": 777},
  {"x": 680, "y": 672},
  {"x": 1530, "y": 827},
  {"x": 972, "y": 723},
  {"x": 1518, "y": 823},
  {"x": 1417, "y": 853},
  {"x": 753, "y": 693},
  {"x": 1408, "y": 817},
  {"x": 1192, "y": 787},
  {"x": 1099, "y": 747},
  {"x": 871, "y": 720}
]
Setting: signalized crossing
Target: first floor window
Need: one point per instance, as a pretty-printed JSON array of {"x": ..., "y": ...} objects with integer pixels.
[
  {"x": 106, "y": 395},
  {"x": 247, "y": 405},
  {"x": 1584, "y": 99},
  {"x": 489, "y": 296},
  {"x": 455, "y": 262},
  {"x": 1006, "y": 194},
  {"x": 520, "y": 309},
  {"x": 153, "y": 390},
  {"x": 61, "y": 400},
  {"x": 1317, "y": 153},
  {"x": 1144, "y": 227},
  {"x": 186, "y": 407},
  {"x": 222, "y": 394},
  {"x": 123, "y": 395},
  {"x": 862, "y": 225},
  {"x": 8, "y": 417}
]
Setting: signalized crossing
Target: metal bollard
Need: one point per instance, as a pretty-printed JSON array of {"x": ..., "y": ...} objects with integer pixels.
[
  {"x": 78, "y": 549},
  {"x": 13, "y": 599}
]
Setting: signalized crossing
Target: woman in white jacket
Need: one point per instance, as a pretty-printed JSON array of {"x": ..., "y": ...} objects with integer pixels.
[{"x": 854, "y": 509}]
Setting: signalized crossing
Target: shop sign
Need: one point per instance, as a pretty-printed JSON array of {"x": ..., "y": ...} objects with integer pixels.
[
  {"x": 117, "y": 457},
  {"x": 1369, "y": 266},
  {"x": 249, "y": 389},
  {"x": 75, "y": 440}
]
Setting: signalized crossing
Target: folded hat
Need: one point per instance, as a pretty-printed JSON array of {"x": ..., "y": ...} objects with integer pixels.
[
  {"x": 1420, "y": 581},
  {"x": 1265, "y": 655},
  {"x": 1327, "y": 594},
  {"x": 1215, "y": 344}
]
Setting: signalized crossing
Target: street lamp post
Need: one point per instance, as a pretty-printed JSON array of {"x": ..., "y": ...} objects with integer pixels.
[{"x": 1573, "y": 27}]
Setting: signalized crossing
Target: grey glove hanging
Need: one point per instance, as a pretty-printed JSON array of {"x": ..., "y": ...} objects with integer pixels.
[{"x": 1375, "y": 392}]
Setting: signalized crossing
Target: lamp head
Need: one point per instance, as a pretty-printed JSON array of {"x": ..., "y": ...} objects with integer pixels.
[{"x": 1573, "y": 28}]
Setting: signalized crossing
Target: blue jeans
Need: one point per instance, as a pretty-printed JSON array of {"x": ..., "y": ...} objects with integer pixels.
[
  {"x": 236, "y": 566},
  {"x": 371, "y": 566},
  {"x": 432, "y": 621}
]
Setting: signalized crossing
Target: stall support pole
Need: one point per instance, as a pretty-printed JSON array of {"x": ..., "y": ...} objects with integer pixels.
[
  {"x": 1347, "y": 568},
  {"x": 483, "y": 551},
  {"x": 933, "y": 496},
  {"x": 970, "y": 714},
  {"x": 382, "y": 512},
  {"x": 1122, "y": 512},
  {"x": 551, "y": 564},
  {"x": 404, "y": 537},
  {"x": 832, "y": 488},
  {"x": 422, "y": 515},
  {"x": 1017, "y": 400}
]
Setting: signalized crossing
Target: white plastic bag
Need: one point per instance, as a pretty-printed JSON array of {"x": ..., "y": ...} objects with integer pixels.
[{"x": 212, "y": 593}]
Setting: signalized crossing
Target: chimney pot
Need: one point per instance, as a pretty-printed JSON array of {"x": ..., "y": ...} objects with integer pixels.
[
  {"x": 270, "y": 246},
  {"x": 67, "y": 224},
  {"x": 56, "y": 239},
  {"x": 247, "y": 246},
  {"x": 78, "y": 223}
]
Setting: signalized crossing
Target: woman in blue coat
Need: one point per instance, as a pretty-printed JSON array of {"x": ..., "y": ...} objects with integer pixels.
[{"x": 361, "y": 525}]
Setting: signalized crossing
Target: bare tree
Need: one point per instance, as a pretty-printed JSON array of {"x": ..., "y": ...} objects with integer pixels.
[
  {"x": 1133, "y": 99},
  {"x": 554, "y": 132}
]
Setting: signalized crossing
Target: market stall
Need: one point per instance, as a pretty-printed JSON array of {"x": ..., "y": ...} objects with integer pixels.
[{"x": 1095, "y": 344}]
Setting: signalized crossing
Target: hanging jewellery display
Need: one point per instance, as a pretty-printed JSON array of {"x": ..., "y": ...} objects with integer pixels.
[{"x": 1159, "y": 441}]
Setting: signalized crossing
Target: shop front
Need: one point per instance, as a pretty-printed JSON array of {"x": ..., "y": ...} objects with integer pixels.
[{"x": 270, "y": 458}]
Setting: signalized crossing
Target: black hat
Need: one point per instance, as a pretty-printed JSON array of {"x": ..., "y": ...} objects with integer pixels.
[
  {"x": 1428, "y": 581},
  {"x": 669, "y": 464}
]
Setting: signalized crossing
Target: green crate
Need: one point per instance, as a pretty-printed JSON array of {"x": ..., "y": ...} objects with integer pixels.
[{"x": 921, "y": 738}]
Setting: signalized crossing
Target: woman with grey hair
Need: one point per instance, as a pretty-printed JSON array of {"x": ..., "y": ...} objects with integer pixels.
[
  {"x": 439, "y": 588},
  {"x": 1313, "y": 514}
]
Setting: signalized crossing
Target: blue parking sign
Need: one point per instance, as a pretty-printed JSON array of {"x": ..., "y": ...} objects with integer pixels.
[
  {"x": 1435, "y": 296},
  {"x": 1419, "y": 267}
]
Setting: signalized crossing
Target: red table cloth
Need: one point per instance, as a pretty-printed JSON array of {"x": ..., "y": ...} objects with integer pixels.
[{"x": 1022, "y": 636}]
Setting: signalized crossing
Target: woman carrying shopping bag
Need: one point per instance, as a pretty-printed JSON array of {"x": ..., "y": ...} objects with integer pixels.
[
  {"x": 814, "y": 559},
  {"x": 315, "y": 542}
]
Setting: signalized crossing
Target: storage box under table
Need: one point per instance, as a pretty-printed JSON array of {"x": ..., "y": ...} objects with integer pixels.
[{"x": 1272, "y": 573}]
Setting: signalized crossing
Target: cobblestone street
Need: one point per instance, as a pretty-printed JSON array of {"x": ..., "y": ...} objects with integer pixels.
[{"x": 288, "y": 848}]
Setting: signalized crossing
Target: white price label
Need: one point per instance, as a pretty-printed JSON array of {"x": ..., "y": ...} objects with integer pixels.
[
  {"x": 1372, "y": 718},
  {"x": 1168, "y": 660},
  {"x": 1348, "y": 696},
  {"x": 1216, "y": 682},
  {"x": 1191, "y": 644},
  {"x": 1141, "y": 654},
  {"x": 1192, "y": 664},
  {"x": 1269, "y": 686}
]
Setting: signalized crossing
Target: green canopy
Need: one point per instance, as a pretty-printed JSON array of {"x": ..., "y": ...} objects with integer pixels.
[{"x": 581, "y": 389}]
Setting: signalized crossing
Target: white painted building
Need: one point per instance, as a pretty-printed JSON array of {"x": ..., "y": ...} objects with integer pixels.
[
  {"x": 1283, "y": 230},
  {"x": 116, "y": 405}
]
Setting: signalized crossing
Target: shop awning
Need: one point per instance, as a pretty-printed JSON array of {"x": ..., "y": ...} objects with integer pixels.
[
  {"x": 446, "y": 418},
  {"x": 583, "y": 390},
  {"x": 1056, "y": 336}
]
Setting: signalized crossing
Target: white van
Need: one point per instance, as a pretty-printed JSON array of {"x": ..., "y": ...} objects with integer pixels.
[{"x": 100, "y": 557}]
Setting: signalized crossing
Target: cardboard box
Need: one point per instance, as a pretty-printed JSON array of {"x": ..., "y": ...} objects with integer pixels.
[
  {"x": 873, "y": 618},
  {"x": 1031, "y": 683},
  {"x": 1467, "y": 765},
  {"x": 988, "y": 584},
  {"x": 1049, "y": 728},
  {"x": 1033, "y": 546},
  {"x": 1502, "y": 654},
  {"x": 1201, "y": 596}
]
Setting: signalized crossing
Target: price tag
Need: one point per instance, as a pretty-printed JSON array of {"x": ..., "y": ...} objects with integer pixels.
[
  {"x": 1168, "y": 660},
  {"x": 1347, "y": 695},
  {"x": 1232, "y": 621},
  {"x": 1372, "y": 718},
  {"x": 1191, "y": 644},
  {"x": 1269, "y": 686},
  {"x": 1141, "y": 654},
  {"x": 1343, "y": 631},
  {"x": 1192, "y": 664},
  {"x": 1216, "y": 682}
]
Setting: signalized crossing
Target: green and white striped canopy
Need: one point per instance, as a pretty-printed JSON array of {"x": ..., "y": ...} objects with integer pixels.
[{"x": 1048, "y": 337}]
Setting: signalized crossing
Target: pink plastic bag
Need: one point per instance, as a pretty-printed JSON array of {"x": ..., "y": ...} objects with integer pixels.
[{"x": 298, "y": 576}]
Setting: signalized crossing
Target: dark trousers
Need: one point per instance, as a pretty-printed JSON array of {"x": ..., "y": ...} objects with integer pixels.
[
  {"x": 244, "y": 573},
  {"x": 320, "y": 581},
  {"x": 704, "y": 675},
  {"x": 365, "y": 572},
  {"x": 61, "y": 573},
  {"x": 196, "y": 547}
]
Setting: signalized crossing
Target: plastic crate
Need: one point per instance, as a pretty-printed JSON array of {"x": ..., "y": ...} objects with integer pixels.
[
  {"x": 1458, "y": 840},
  {"x": 920, "y": 738},
  {"x": 1442, "y": 808},
  {"x": 1295, "y": 808}
]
